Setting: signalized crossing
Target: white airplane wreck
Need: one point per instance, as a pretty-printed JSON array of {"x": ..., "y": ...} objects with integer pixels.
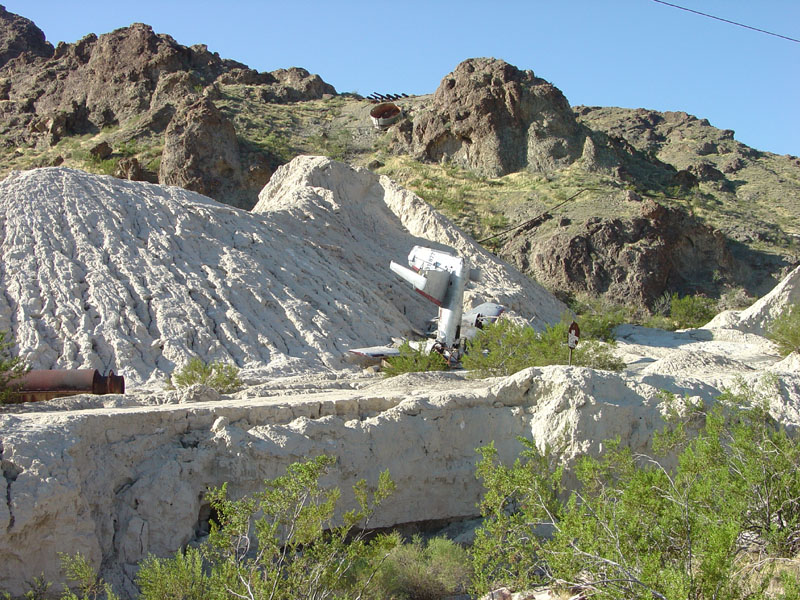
[{"x": 441, "y": 277}]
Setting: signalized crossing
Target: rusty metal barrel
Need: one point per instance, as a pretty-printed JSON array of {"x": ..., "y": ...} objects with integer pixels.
[
  {"x": 384, "y": 114},
  {"x": 40, "y": 385}
]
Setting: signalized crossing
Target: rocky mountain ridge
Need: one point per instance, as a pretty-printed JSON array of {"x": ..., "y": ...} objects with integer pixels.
[{"x": 133, "y": 75}]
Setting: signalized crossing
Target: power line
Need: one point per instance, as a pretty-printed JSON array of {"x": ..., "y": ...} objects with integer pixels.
[
  {"x": 697, "y": 12},
  {"x": 537, "y": 217}
]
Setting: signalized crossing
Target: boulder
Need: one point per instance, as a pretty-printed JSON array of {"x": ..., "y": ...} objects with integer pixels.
[
  {"x": 101, "y": 151},
  {"x": 201, "y": 153},
  {"x": 129, "y": 168},
  {"x": 705, "y": 171},
  {"x": 494, "y": 119}
]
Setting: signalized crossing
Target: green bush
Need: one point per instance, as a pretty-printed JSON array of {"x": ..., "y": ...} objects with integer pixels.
[
  {"x": 692, "y": 311},
  {"x": 716, "y": 525},
  {"x": 11, "y": 367},
  {"x": 503, "y": 348},
  {"x": 785, "y": 330},
  {"x": 221, "y": 376},
  {"x": 280, "y": 543},
  {"x": 414, "y": 360},
  {"x": 598, "y": 318},
  {"x": 178, "y": 578},
  {"x": 90, "y": 587},
  {"x": 417, "y": 570}
]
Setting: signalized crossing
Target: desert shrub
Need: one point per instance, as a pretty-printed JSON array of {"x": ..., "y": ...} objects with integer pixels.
[
  {"x": 221, "y": 376},
  {"x": 505, "y": 347},
  {"x": 414, "y": 360},
  {"x": 108, "y": 166},
  {"x": 280, "y": 543},
  {"x": 661, "y": 305},
  {"x": 659, "y": 321},
  {"x": 11, "y": 367},
  {"x": 90, "y": 586},
  {"x": 418, "y": 570},
  {"x": 716, "y": 525},
  {"x": 785, "y": 330},
  {"x": 181, "y": 577},
  {"x": 598, "y": 318},
  {"x": 734, "y": 299},
  {"x": 672, "y": 312},
  {"x": 129, "y": 148},
  {"x": 691, "y": 311}
]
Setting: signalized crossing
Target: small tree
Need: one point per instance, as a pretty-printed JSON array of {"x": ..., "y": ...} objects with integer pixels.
[
  {"x": 11, "y": 368},
  {"x": 221, "y": 376}
]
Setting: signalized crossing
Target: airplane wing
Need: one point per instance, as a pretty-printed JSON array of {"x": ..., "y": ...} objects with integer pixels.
[{"x": 376, "y": 351}]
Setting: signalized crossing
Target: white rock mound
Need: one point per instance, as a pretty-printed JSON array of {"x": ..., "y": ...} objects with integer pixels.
[
  {"x": 756, "y": 318},
  {"x": 136, "y": 278}
]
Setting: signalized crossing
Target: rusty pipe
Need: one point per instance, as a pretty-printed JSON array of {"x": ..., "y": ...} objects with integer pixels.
[{"x": 40, "y": 385}]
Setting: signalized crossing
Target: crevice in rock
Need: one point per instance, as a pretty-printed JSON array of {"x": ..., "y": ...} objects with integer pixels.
[
  {"x": 206, "y": 515},
  {"x": 10, "y": 472}
]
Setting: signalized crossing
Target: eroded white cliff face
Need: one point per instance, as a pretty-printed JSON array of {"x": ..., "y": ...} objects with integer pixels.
[{"x": 118, "y": 477}]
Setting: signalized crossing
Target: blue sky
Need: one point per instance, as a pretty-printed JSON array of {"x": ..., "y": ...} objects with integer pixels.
[{"x": 630, "y": 53}]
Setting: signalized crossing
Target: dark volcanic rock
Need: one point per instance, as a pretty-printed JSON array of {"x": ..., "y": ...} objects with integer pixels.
[
  {"x": 129, "y": 168},
  {"x": 631, "y": 260},
  {"x": 19, "y": 35},
  {"x": 246, "y": 77},
  {"x": 495, "y": 119},
  {"x": 705, "y": 171},
  {"x": 201, "y": 153},
  {"x": 296, "y": 85},
  {"x": 101, "y": 151},
  {"x": 130, "y": 72},
  {"x": 103, "y": 81}
]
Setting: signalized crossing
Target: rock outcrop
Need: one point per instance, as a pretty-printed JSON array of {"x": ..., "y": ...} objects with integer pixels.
[
  {"x": 630, "y": 260},
  {"x": 294, "y": 85},
  {"x": 137, "y": 278},
  {"x": 712, "y": 162},
  {"x": 119, "y": 484},
  {"x": 494, "y": 119},
  {"x": 130, "y": 72},
  {"x": 201, "y": 154},
  {"x": 19, "y": 35}
]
